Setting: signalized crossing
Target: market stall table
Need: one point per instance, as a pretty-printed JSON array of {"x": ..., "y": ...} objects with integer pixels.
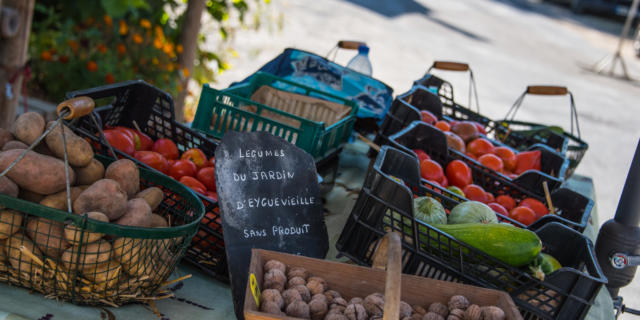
[{"x": 201, "y": 297}]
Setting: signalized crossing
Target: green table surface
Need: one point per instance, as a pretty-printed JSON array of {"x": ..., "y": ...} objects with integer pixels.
[{"x": 201, "y": 297}]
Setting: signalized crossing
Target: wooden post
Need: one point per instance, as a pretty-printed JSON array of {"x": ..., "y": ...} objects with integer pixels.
[{"x": 13, "y": 55}]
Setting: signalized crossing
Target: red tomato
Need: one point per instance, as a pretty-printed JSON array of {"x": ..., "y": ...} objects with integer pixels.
[
  {"x": 120, "y": 140},
  {"x": 166, "y": 148},
  {"x": 153, "y": 160},
  {"x": 146, "y": 143},
  {"x": 490, "y": 197},
  {"x": 480, "y": 146},
  {"x": 506, "y": 201},
  {"x": 443, "y": 125},
  {"x": 538, "y": 207},
  {"x": 428, "y": 117},
  {"x": 527, "y": 160},
  {"x": 182, "y": 168},
  {"x": 475, "y": 193},
  {"x": 421, "y": 155},
  {"x": 193, "y": 184},
  {"x": 508, "y": 157},
  {"x": 196, "y": 156},
  {"x": 471, "y": 156},
  {"x": 492, "y": 162},
  {"x": 523, "y": 215},
  {"x": 212, "y": 161},
  {"x": 207, "y": 176},
  {"x": 133, "y": 134},
  {"x": 459, "y": 174},
  {"x": 480, "y": 127},
  {"x": 444, "y": 182},
  {"x": 431, "y": 170},
  {"x": 498, "y": 208}
]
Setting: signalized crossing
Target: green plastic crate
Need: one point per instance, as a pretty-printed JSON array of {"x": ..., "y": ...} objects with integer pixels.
[{"x": 231, "y": 109}]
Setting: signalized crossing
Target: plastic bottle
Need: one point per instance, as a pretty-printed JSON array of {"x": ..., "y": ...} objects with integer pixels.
[{"x": 361, "y": 61}]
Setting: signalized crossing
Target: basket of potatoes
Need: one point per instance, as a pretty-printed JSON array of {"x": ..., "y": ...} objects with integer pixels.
[
  {"x": 295, "y": 287},
  {"x": 86, "y": 228}
]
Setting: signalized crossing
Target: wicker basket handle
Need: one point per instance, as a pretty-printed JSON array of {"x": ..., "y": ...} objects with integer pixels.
[
  {"x": 350, "y": 44},
  {"x": 75, "y": 107},
  {"x": 548, "y": 90},
  {"x": 450, "y": 65},
  {"x": 389, "y": 254}
]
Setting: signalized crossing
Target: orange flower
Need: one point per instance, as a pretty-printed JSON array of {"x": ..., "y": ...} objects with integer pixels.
[
  {"x": 179, "y": 48},
  {"x": 167, "y": 48},
  {"x": 108, "y": 21},
  {"x": 92, "y": 66},
  {"x": 145, "y": 23},
  {"x": 137, "y": 38},
  {"x": 157, "y": 42},
  {"x": 159, "y": 32},
  {"x": 185, "y": 72},
  {"x": 155, "y": 61},
  {"x": 46, "y": 56},
  {"x": 109, "y": 78},
  {"x": 102, "y": 48},
  {"x": 171, "y": 67},
  {"x": 124, "y": 29},
  {"x": 73, "y": 44},
  {"x": 121, "y": 48},
  {"x": 63, "y": 59}
]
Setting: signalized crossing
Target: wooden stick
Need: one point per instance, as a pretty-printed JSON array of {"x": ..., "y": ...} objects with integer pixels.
[
  {"x": 31, "y": 256},
  {"x": 109, "y": 303},
  {"x": 176, "y": 280},
  {"x": 506, "y": 135},
  {"x": 369, "y": 142},
  {"x": 547, "y": 195},
  {"x": 156, "y": 298},
  {"x": 135, "y": 124}
]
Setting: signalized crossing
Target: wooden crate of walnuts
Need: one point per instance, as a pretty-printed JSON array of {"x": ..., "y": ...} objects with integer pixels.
[{"x": 296, "y": 287}]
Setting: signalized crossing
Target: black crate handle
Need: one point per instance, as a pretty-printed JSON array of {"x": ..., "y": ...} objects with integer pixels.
[
  {"x": 547, "y": 90},
  {"x": 459, "y": 66}
]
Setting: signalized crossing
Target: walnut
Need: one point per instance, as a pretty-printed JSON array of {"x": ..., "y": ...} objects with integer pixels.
[
  {"x": 332, "y": 294},
  {"x": 320, "y": 297},
  {"x": 439, "y": 308},
  {"x": 405, "y": 309},
  {"x": 304, "y": 292},
  {"x": 272, "y": 295},
  {"x": 274, "y": 279},
  {"x": 419, "y": 310},
  {"x": 298, "y": 272},
  {"x": 452, "y": 317},
  {"x": 321, "y": 280},
  {"x": 432, "y": 316},
  {"x": 339, "y": 302},
  {"x": 291, "y": 295},
  {"x": 492, "y": 313},
  {"x": 473, "y": 312},
  {"x": 335, "y": 316},
  {"x": 316, "y": 286},
  {"x": 271, "y": 308},
  {"x": 318, "y": 309},
  {"x": 355, "y": 300},
  {"x": 292, "y": 282},
  {"x": 458, "y": 302},
  {"x": 457, "y": 312},
  {"x": 417, "y": 316},
  {"x": 299, "y": 309},
  {"x": 355, "y": 312},
  {"x": 374, "y": 303},
  {"x": 275, "y": 264}
]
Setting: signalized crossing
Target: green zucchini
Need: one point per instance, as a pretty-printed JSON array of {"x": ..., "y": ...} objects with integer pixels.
[{"x": 513, "y": 246}]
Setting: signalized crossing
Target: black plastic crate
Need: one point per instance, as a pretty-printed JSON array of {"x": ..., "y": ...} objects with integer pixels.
[
  {"x": 152, "y": 110},
  {"x": 565, "y": 294}
]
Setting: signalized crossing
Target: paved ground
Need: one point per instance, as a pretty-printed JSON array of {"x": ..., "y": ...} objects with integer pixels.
[{"x": 509, "y": 44}]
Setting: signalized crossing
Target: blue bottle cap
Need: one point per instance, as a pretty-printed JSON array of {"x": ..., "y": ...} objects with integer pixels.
[{"x": 363, "y": 49}]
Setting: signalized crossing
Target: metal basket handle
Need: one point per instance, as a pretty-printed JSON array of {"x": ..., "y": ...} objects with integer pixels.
[
  {"x": 547, "y": 90},
  {"x": 388, "y": 256},
  {"x": 459, "y": 67},
  {"x": 344, "y": 44}
]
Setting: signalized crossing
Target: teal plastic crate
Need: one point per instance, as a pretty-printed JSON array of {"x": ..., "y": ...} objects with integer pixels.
[{"x": 232, "y": 109}]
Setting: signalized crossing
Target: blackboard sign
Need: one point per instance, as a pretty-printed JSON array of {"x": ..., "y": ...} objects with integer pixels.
[{"x": 269, "y": 198}]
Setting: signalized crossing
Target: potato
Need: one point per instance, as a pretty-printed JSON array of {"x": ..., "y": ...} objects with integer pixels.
[
  {"x": 125, "y": 172},
  {"x": 35, "y": 172},
  {"x": 42, "y": 148},
  {"x": 79, "y": 150},
  {"x": 28, "y": 127},
  {"x": 128, "y": 250},
  {"x": 47, "y": 235},
  {"x": 91, "y": 173},
  {"x": 158, "y": 221},
  {"x": 153, "y": 196},
  {"x": 8, "y": 187},
  {"x": 10, "y": 222},
  {"x": 30, "y": 196},
  {"x": 14, "y": 144},
  {"x": 17, "y": 259},
  {"x": 87, "y": 256},
  {"x": 104, "y": 274},
  {"x": 59, "y": 200},
  {"x": 73, "y": 233},
  {"x": 105, "y": 196},
  {"x": 3, "y": 252},
  {"x": 5, "y": 136},
  {"x": 138, "y": 214}
]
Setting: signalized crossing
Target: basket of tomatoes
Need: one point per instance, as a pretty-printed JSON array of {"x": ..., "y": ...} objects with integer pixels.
[
  {"x": 138, "y": 122},
  {"x": 522, "y": 199}
]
